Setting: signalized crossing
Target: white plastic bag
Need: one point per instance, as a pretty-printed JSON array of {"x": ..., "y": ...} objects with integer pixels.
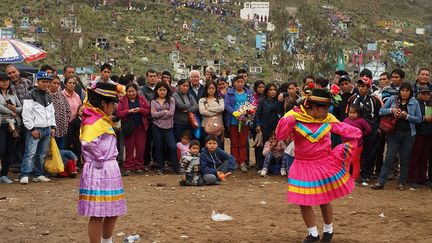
[{"x": 218, "y": 217}]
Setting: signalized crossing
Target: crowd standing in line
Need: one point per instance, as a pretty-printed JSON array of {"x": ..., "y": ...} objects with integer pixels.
[{"x": 182, "y": 129}]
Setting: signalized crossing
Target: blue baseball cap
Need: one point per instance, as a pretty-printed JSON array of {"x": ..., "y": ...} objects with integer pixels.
[{"x": 43, "y": 75}]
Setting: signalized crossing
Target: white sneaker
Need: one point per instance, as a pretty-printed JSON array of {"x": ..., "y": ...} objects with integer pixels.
[
  {"x": 24, "y": 180},
  {"x": 243, "y": 167},
  {"x": 263, "y": 172},
  {"x": 283, "y": 172},
  {"x": 41, "y": 178}
]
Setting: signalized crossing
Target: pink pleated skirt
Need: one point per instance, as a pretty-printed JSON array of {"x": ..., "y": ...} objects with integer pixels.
[{"x": 319, "y": 181}]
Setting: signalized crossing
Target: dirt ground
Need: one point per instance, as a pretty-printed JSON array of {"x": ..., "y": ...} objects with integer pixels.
[{"x": 46, "y": 212}]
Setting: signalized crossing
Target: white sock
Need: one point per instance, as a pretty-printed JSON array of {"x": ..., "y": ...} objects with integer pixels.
[
  {"x": 109, "y": 240},
  {"x": 313, "y": 231},
  {"x": 328, "y": 228}
]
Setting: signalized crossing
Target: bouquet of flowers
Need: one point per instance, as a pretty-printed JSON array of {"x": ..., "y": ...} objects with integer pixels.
[
  {"x": 334, "y": 93},
  {"x": 245, "y": 114}
]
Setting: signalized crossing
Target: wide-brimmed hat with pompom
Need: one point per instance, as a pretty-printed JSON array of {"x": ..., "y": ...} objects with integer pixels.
[{"x": 320, "y": 97}]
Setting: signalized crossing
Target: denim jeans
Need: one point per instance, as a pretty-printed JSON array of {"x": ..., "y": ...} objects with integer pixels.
[
  {"x": 35, "y": 152},
  {"x": 399, "y": 142},
  {"x": 210, "y": 179},
  {"x": 161, "y": 138}
]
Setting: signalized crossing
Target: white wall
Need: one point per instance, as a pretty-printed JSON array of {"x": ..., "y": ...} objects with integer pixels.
[{"x": 252, "y": 8}]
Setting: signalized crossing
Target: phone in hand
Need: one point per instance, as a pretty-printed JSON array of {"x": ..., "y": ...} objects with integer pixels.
[{"x": 9, "y": 102}]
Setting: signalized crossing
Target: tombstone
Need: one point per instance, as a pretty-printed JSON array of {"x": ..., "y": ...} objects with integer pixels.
[
  {"x": 270, "y": 26},
  {"x": 25, "y": 10},
  {"x": 41, "y": 11},
  {"x": 25, "y": 23},
  {"x": 174, "y": 56},
  {"x": 255, "y": 70},
  {"x": 275, "y": 60},
  {"x": 8, "y": 22},
  {"x": 194, "y": 25},
  {"x": 36, "y": 20},
  {"x": 129, "y": 40},
  {"x": 185, "y": 26}
]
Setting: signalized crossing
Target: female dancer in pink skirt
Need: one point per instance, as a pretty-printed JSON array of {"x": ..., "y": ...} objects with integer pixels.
[
  {"x": 319, "y": 173},
  {"x": 101, "y": 194}
]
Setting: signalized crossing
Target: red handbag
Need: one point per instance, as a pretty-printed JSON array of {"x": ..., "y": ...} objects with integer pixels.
[{"x": 387, "y": 123}]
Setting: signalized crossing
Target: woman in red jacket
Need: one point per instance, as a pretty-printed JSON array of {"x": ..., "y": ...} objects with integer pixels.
[{"x": 134, "y": 109}]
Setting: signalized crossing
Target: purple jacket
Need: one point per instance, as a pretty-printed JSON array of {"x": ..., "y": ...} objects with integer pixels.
[
  {"x": 361, "y": 124},
  {"x": 230, "y": 101}
]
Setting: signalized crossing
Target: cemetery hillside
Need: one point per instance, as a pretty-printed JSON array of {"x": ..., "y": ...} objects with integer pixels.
[{"x": 296, "y": 38}]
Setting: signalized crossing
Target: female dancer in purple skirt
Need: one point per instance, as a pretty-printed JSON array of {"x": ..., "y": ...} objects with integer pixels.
[{"x": 101, "y": 194}]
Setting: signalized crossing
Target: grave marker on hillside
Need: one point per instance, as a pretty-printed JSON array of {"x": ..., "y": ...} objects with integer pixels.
[
  {"x": 25, "y": 23},
  {"x": 8, "y": 22}
]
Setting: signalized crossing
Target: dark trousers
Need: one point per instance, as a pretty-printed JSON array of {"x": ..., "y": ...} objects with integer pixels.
[
  {"x": 149, "y": 152},
  {"x": 60, "y": 142},
  {"x": 420, "y": 154},
  {"x": 399, "y": 142},
  {"x": 379, "y": 159},
  {"x": 6, "y": 148},
  {"x": 19, "y": 145},
  {"x": 162, "y": 137},
  {"x": 430, "y": 166},
  {"x": 367, "y": 161}
]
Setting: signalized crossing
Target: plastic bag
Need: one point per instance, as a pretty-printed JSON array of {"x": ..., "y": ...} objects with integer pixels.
[
  {"x": 220, "y": 217},
  {"x": 54, "y": 163}
]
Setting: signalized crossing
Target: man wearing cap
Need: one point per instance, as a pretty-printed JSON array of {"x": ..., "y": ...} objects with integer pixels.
[
  {"x": 347, "y": 90},
  {"x": 39, "y": 121},
  {"x": 369, "y": 110},
  {"x": 338, "y": 75},
  {"x": 421, "y": 151}
]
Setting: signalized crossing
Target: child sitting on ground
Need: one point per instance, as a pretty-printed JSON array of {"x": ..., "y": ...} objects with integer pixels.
[
  {"x": 70, "y": 161},
  {"x": 183, "y": 146},
  {"x": 190, "y": 166},
  {"x": 274, "y": 151},
  {"x": 216, "y": 164}
]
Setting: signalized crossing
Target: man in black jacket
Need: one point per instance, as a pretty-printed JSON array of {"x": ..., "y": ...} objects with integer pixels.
[
  {"x": 347, "y": 90},
  {"x": 369, "y": 110}
]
